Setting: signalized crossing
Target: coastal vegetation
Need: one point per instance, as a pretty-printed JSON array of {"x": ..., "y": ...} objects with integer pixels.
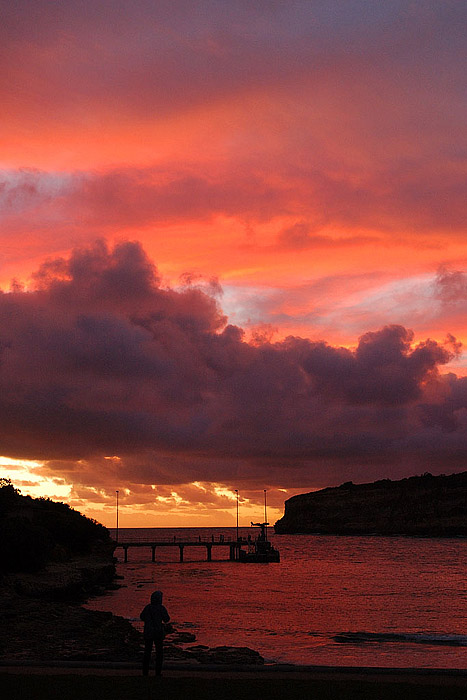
[
  {"x": 430, "y": 506},
  {"x": 35, "y": 531}
]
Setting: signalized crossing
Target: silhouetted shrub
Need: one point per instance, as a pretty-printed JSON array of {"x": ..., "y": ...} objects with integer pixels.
[
  {"x": 68, "y": 527},
  {"x": 9, "y": 497},
  {"x": 35, "y": 530},
  {"x": 23, "y": 545}
]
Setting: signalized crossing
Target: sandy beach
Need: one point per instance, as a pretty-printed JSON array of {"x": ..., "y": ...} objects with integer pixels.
[{"x": 121, "y": 681}]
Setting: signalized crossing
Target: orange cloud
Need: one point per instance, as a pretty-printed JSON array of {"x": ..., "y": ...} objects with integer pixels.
[{"x": 308, "y": 159}]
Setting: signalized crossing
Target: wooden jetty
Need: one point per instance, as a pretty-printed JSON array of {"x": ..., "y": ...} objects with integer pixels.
[{"x": 233, "y": 546}]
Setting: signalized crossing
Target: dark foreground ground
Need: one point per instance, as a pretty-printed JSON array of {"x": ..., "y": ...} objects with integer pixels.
[{"x": 114, "y": 684}]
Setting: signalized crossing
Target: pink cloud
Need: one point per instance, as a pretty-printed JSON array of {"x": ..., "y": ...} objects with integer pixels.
[{"x": 82, "y": 204}]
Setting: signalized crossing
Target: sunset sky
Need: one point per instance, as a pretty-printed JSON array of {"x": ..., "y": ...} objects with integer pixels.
[{"x": 233, "y": 250}]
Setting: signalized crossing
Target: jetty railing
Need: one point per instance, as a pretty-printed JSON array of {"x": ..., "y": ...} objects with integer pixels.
[{"x": 189, "y": 540}]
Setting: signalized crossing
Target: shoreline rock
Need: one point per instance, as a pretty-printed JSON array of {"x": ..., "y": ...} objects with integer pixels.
[
  {"x": 44, "y": 621},
  {"x": 74, "y": 580}
]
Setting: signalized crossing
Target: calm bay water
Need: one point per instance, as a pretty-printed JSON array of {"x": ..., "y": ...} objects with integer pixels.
[{"x": 373, "y": 601}]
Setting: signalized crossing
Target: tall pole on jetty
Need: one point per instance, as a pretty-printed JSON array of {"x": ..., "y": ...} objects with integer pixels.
[
  {"x": 117, "y": 516},
  {"x": 265, "y": 516},
  {"x": 236, "y": 491}
]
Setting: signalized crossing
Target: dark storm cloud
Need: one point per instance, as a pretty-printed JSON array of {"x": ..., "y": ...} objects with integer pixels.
[{"x": 100, "y": 360}]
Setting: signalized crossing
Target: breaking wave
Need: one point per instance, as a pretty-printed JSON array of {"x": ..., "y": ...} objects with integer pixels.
[{"x": 454, "y": 640}]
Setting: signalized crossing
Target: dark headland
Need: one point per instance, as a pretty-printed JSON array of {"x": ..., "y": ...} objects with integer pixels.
[{"x": 428, "y": 506}]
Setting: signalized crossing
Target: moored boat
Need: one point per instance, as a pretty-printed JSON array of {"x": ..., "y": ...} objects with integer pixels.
[{"x": 259, "y": 550}]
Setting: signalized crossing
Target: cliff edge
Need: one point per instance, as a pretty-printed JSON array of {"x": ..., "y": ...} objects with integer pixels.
[{"x": 430, "y": 506}]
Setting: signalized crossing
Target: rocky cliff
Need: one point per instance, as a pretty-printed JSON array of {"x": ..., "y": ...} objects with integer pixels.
[{"x": 432, "y": 506}]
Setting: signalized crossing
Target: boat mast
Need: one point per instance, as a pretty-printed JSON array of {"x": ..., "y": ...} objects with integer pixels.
[{"x": 265, "y": 518}]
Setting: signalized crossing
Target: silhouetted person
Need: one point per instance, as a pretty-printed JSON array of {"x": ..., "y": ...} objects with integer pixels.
[{"x": 153, "y": 616}]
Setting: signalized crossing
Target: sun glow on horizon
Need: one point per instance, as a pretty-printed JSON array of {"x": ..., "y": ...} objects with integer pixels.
[
  {"x": 27, "y": 477},
  {"x": 164, "y": 511}
]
